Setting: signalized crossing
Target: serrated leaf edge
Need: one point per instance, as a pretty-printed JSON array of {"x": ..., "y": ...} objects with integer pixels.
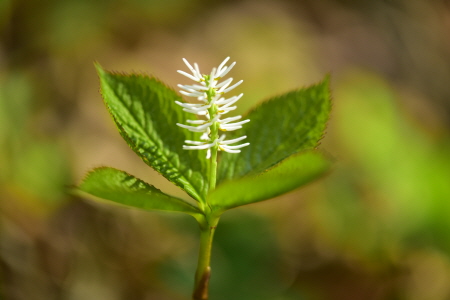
[
  {"x": 124, "y": 134},
  {"x": 89, "y": 173},
  {"x": 219, "y": 209},
  {"x": 325, "y": 81}
]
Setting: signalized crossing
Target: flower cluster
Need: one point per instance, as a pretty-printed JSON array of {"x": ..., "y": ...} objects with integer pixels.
[{"x": 213, "y": 106}]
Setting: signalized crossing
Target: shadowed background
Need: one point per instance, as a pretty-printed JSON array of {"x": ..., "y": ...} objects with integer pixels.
[{"x": 377, "y": 227}]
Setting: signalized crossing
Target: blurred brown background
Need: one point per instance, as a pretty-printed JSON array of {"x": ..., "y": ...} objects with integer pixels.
[{"x": 378, "y": 227}]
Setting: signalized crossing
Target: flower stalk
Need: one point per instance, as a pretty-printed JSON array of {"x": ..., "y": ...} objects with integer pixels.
[{"x": 209, "y": 92}]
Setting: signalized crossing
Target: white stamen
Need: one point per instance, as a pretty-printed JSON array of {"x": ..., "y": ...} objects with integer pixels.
[
  {"x": 234, "y": 140},
  {"x": 235, "y": 147},
  {"x": 233, "y": 86},
  {"x": 187, "y": 75},
  {"x": 223, "y": 111},
  {"x": 219, "y": 69},
  {"x": 231, "y": 119},
  {"x": 198, "y": 71},
  {"x": 196, "y": 74},
  {"x": 225, "y": 83},
  {"x": 196, "y": 121},
  {"x": 226, "y": 70}
]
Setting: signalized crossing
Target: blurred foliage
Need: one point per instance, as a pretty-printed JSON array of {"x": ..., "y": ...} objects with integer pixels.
[{"x": 375, "y": 228}]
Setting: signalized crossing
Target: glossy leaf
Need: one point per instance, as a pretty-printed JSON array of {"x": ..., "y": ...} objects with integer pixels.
[
  {"x": 278, "y": 128},
  {"x": 125, "y": 189},
  {"x": 286, "y": 176},
  {"x": 145, "y": 113}
]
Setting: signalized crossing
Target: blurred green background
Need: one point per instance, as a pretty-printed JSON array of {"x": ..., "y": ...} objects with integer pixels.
[{"x": 377, "y": 227}]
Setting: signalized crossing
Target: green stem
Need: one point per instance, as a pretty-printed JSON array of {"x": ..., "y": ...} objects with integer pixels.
[
  {"x": 209, "y": 221},
  {"x": 213, "y": 169},
  {"x": 213, "y": 111},
  {"x": 203, "y": 272},
  {"x": 207, "y": 228}
]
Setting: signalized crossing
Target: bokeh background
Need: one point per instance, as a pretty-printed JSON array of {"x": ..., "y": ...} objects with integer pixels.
[{"x": 377, "y": 227}]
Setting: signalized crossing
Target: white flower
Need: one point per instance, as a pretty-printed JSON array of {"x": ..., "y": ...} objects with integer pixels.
[{"x": 209, "y": 92}]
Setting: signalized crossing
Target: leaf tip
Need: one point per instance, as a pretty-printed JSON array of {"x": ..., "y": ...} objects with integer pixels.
[{"x": 99, "y": 68}]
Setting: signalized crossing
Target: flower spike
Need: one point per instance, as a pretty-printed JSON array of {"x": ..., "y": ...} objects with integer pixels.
[{"x": 209, "y": 91}]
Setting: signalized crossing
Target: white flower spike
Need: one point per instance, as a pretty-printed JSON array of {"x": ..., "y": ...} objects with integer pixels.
[{"x": 209, "y": 92}]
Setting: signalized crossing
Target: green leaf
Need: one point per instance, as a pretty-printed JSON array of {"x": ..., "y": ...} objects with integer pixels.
[
  {"x": 123, "y": 188},
  {"x": 288, "y": 175},
  {"x": 146, "y": 115},
  {"x": 278, "y": 128}
]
